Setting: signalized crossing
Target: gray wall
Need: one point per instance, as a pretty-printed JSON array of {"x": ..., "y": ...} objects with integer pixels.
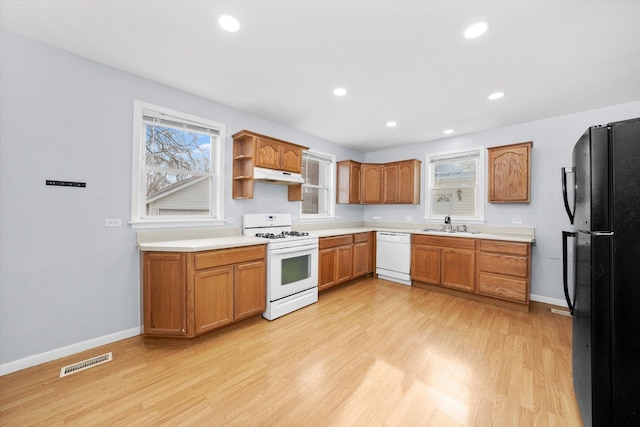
[
  {"x": 65, "y": 278},
  {"x": 67, "y": 283},
  {"x": 553, "y": 141}
]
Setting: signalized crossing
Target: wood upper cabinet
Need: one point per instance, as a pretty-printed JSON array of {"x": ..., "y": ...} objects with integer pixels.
[
  {"x": 390, "y": 173},
  {"x": 268, "y": 153},
  {"x": 409, "y": 181},
  {"x": 272, "y": 154},
  {"x": 378, "y": 183},
  {"x": 348, "y": 181},
  {"x": 510, "y": 173},
  {"x": 372, "y": 183},
  {"x": 251, "y": 150},
  {"x": 188, "y": 294}
]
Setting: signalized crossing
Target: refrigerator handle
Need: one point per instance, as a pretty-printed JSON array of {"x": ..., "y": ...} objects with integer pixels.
[
  {"x": 565, "y": 171},
  {"x": 570, "y": 302}
]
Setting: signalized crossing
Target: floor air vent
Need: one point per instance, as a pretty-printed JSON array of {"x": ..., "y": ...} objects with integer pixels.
[{"x": 85, "y": 364}]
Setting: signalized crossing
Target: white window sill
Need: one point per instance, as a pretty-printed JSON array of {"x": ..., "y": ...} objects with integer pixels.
[{"x": 317, "y": 219}]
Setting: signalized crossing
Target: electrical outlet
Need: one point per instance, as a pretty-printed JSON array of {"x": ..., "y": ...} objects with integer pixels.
[
  {"x": 231, "y": 219},
  {"x": 517, "y": 220},
  {"x": 113, "y": 222},
  {"x": 376, "y": 218},
  {"x": 408, "y": 218}
]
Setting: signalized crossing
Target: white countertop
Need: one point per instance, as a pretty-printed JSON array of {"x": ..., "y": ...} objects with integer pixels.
[
  {"x": 496, "y": 234},
  {"x": 203, "y": 244},
  {"x": 190, "y": 241}
]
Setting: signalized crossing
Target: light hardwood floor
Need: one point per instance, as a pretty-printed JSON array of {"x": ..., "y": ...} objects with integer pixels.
[{"x": 368, "y": 353}]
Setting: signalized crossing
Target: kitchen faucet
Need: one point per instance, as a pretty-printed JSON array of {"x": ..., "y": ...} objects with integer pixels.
[{"x": 447, "y": 224}]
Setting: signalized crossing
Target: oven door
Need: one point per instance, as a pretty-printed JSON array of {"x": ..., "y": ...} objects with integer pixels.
[{"x": 292, "y": 270}]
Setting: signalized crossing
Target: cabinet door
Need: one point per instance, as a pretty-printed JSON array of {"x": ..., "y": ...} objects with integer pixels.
[
  {"x": 390, "y": 183},
  {"x": 291, "y": 158},
  {"x": 249, "y": 289},
  {"x": 409, "y": 182},
  {"x": 348, "y": 182},
  {"x": 326, "y": 268},
  {"x": 426, "y": 264},
  {"x": 164, "y": 294},
  {"x": 355, "y": 171},
  {"x": 509, "y": 173},
  {"x": 458, "y": 268},
  {"x": 362, "y": 254},
  {"x": 213, "y": 298},
  {"x": 344, "y": 262},
  {"x": 371, "y": 184},
  {"x": 268, "y": 153}
]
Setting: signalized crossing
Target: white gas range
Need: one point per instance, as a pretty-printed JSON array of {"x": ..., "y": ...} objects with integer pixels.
[{"x": 292, "y": 263}]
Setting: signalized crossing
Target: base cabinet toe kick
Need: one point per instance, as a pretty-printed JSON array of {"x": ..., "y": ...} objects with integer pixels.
[{"x": 492, "y": 271}]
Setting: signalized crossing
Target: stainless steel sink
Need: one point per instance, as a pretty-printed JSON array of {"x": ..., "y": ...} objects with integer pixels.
[{"x": 450, "y": 232}]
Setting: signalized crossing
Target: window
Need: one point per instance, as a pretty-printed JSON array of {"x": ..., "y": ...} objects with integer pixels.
[
  {"x": 455, "y": 185},
  {"x": 177, "y": 168},
  {"x": 318, "y": 190}
]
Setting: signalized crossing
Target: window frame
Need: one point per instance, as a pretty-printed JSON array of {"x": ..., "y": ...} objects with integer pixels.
[
  {"x": 138, "y": 193},
  {"x": 480, "y": 184},
  {"x": 331, "y": 193}
]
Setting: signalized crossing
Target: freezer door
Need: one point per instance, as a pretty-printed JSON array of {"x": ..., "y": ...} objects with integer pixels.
[
  {"x": 626, "y": 271},
  {"x": 591, "y": 329},
  {"x": 591, "y": 166}
]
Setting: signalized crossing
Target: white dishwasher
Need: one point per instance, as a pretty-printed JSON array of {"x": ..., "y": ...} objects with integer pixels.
[{"x": 393, "y": 256}]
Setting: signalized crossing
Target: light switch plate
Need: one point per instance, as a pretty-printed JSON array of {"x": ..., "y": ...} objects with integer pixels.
[{"x": 113, "y": 222}]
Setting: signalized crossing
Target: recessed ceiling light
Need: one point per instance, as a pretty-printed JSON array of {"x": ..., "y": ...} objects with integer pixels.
[
  {"x": 496, "y": 95},
  {"x": 448, "y": 131},
  {"x": 391, "y": 124},
  {"x": 476, "y": 30},
  {"x": 229, "y": 23},
  {"x": 339, "y": 91}
]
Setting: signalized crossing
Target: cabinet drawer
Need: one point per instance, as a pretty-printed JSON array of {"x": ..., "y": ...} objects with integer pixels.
[
  {"x": 361, "y": 237},
  {"x": 515, "y": 248},
  {"x": 449, "y": 242},
  {"x": 330, "y": 242},
  {"x": 221, "y": 257},
  {"x": 504, "y": 264},
  {"x": 503, "y": 287}
]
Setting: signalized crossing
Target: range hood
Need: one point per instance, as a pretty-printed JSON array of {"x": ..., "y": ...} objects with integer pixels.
[{"x": 276, "y": 177}]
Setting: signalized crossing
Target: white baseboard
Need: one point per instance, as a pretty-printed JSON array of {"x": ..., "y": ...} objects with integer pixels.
[
  {"x": 48, "y": 356},
  {"x": 547, "y": 300}
]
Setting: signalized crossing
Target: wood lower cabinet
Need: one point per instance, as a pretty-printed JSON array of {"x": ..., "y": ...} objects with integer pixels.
[
  {"x": 188, "y": 294},
  {"x": 345, "y": 257},
  {"x": 165, "y": 293},
  {"x": 487, "y": 270},
  {"x": 362, "y": 254},
  {"x": 213, "y": 299},
  {"x": 504, "y": 270},
  {"x": 444, "y": 261}
]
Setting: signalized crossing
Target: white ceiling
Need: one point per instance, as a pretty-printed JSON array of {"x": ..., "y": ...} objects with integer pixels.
[{"x": 405, "y": 61}]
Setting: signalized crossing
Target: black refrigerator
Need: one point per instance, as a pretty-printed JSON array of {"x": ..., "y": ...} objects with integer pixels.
[{"x": 605, "y": 299}]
